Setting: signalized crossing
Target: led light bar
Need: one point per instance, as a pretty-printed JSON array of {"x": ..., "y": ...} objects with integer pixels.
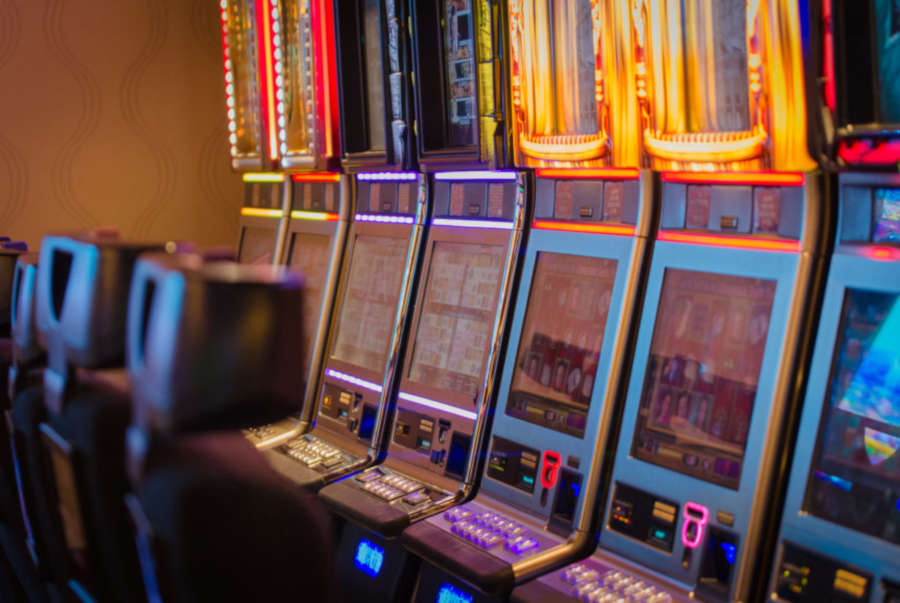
[
  {"x": 728, "y": 241},
  {"x": 882, "y": 253},
  {"x": 317, "y": 177},
  {"x": 607, "y": 229},
  {"x": 321, "y": 216},
  {"x": 261, "y": 212},
  {"x": 590, "y": 174},
  {"x": 465, "y": 414},
  {"x": 747, "y": 178},
  {"x": 374, "y": 387},
  {"x": 381, "y": 219},
  {"x": 387, "y": 176},
  {"x": 263, "y": 177},
  {"x": 462, "y": 222},
  {"x": 506, "y": 176}
]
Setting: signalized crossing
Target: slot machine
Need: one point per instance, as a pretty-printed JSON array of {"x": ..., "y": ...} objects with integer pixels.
[
  {"x": 840, "y": 531},
  {"x": 346, "y": 422},
  {"x": 299, "y": 210},
  {"x": 571, "y": 325},
  {"x": 730, "y": 296},
  {"x": 446, "y": 376}
]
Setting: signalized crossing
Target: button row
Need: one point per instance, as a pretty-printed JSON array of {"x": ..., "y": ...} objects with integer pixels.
[
  {"x": 611, "y": 585},
  {"x": 391, "y": 486},
  {"x": 314, "y": 452},
  {"x": 487, "y": 530}
]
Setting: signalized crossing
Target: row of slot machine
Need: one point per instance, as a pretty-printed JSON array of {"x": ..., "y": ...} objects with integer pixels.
[{"x": 602, "y": 296}]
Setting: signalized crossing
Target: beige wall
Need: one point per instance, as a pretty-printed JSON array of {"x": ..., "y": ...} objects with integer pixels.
[{"x": 112, "y": 114}]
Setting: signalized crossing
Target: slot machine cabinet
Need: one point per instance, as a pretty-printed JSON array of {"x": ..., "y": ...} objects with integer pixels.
[
  {"x": 368, "y": 332},
  {"x": 446, "y": 380},
  {"x": 569, "y": 337},
  {"x": 838, "y": 536}
]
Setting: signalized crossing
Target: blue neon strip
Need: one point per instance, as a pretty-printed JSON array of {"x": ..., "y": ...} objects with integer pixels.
[
  {"x": 383, "y": 219},
  {"x": 465, "y": 414},
  {"x": 464, "y": 223},
  {"x": 353, "y": 380},
  {"x": 387, "y": 176},
  {"x": 840, "y": 482},
  {"x": 504, "y": 176}
]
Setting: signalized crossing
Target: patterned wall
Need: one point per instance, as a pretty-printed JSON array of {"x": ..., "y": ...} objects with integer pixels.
[{"x": 112, "y": 114}]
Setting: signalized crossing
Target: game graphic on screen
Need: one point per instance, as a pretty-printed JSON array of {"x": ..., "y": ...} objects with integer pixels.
[
  {"x": 454, "y": 330},
  {"x": 887, "y": 212},
  {"x": 855, "y": 475},
  {"x": 241, "y": 45},
  {"x": 887, "y": 19},
  {"x": 366, "y": 319},
  {"x": 702, "y": 374},
  {"x": 374, "y": 75},
  {"x": 556, "y": 365},
  {"x": 459, "y": 69},
  {"x": 257, "y": 246},
  {"x": 310, "y": 254}
]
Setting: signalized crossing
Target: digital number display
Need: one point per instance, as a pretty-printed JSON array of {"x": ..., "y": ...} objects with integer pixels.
[
  {"x": 450, "y": 594},
  {"x": 369, "y": 557}
]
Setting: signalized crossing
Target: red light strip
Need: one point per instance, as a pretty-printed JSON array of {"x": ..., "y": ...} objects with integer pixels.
[
  {"x": 592, "y": 174},
  {"x": 326, "y": 74},
  {"x": 882, "y": 253},
  {"x": 317, "y": 177},
  {"x": 734, "y": 242},
  {"x": 828, "y": 56},
  {"x": 748, "y": 178},
  {"x": 867, "y": 151},
  {"x": 266, "y": 67},
  {"x": 588, "y": 228}
]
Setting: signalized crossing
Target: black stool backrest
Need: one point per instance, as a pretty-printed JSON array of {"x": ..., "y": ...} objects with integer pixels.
[
  {"x": 9, "y": 253},
  {"x": 26, "y": 350}
]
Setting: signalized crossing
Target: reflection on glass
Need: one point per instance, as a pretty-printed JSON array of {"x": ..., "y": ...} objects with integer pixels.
[
  {"x": 887, "y": 19},
  {"x": 556, "y": 365},
  {"x": 310, "y": 254},
  {"x": 459, "y": 68},
  {"x": 242, "y": 53},
  {"x": 257, "y": 246},
  {"x": 367, "y": 313},
  {"x": 374, "y": 75},
  {"x": 454, "y": 330},
  {"x": 299, "y": 88},
  {"x": 855, "y": 475},
  {"x": 702, "y": 374}
]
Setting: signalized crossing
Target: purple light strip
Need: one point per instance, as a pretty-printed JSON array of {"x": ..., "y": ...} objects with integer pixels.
[
  {"x": 465, "y": 414},
  {"x": 353, "y": 380},
  {"x": 387, "y": 176},
  {"x": 383, "y": 219},
  {"x": 507, "y": 176},
  {"x": 462, "y": 222}
]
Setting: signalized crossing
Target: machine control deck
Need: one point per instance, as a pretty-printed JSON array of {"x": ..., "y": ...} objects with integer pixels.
[
  {"x": 317, "y": 454},
  {"x": 399, "y": 490},
  {"x": 592, "y": 581},
  {"x": 270, "y": 434}
]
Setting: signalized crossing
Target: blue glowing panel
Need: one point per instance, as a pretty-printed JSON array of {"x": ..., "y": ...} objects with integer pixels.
[
  {"x": 369, "y": 557},
  {"x": 450, "y": 594},
  {"x": 730, "y": 552}
]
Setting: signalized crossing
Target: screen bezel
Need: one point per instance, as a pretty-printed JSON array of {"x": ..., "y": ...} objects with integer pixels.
[
  {"x": 269, "y": 225},
  {"x": 780, "y": 267}
]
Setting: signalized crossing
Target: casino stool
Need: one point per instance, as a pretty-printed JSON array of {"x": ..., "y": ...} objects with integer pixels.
[
  {"x": 215, "y": 522},
  {"x": 80, "y": 307}
]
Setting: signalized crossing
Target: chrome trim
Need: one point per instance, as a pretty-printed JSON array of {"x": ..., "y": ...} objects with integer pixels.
[{"x": 287, "y": 192}]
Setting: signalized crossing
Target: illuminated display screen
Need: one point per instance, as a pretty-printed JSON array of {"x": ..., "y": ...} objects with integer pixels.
[
  {"x": 298, "y": 77},
  {"x": 459, "y": 71},
  {"x": 454, "y": 330},
  {"x": 369, "y": 557},
  {"x": 887, "y": 24},
  {"x": 702, "y": 374},
  {"x": 374, "y": 75},
  {"x": 556, "y": 364},
  {"x": 257, "y": 246},
  {"x": 241, "y": 47},
  {"x": 855, "y": 474},
  {"x": 557, "y": 75},
  {"x": 513, "y": 464},
  {"x": 450, "y": 594},
  {"x": 369, "y": 305},
  {"x": 311, "y": 254},
  {"x": 887, "y": 211}
]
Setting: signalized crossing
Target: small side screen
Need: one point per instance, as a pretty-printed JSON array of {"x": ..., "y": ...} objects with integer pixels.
[
  {"x": 459, "y": 67},
  {"x": 702, "y": 374},
  {"x": 454, "y": 330},
  {"x": 556, "y": 364},
  {"x": 887, "y": 215},
  {"x": 367, "y": 312},
  {"x": 310, "y": 255},
  {"x": 855, "y": 474}
]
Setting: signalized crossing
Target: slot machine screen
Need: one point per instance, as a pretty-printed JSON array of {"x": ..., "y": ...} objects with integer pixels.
[
  {"x": 242, "y": 54},
  {"x": 257, "y": 246},
  {"x": 454, "y": 329},
  {"x": 374, "y": 75},
  {"x": 887, "y": 212},
  {"x": 556, "y": 364},
  {"x": 887, "y": 40},
  {"x": 702, "y": 374},
  {"x": 366, "y": 319},
  {"x": 311, "y": 254},
  {"x": 855, "y": 475},
  {"x": 459, "y": 71}
]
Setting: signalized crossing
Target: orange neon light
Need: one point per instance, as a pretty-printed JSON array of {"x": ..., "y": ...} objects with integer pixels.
[
  {"x": 882, "y": 254},
  {"x": 260, "y": 212},
  {"x": 728, "y": 241},
  {"x": 749, "y": 178},
  {"x": 319, "y": 216},
  {"x": 606, "y": 229},
  {"x": 317, "y": 177},
  {"x": 265, "y": 16},
  {"x": 591, "y": 173}
]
